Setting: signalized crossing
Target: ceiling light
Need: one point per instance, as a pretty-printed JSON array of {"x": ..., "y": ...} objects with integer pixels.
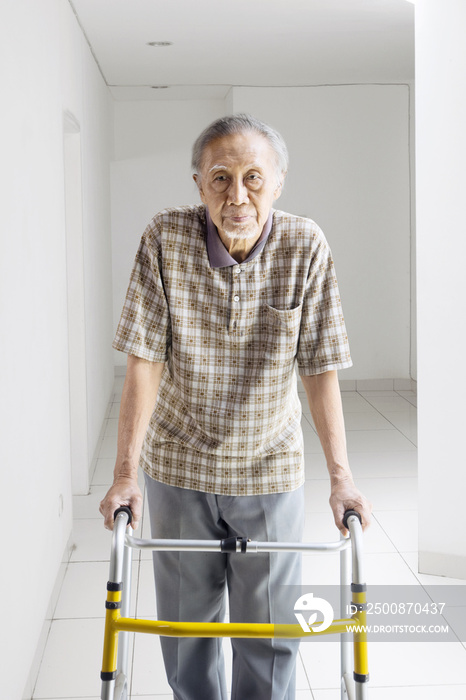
[{"x": 159, "y": 43}]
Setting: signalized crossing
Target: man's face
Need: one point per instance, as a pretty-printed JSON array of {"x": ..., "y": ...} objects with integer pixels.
[{"x": 239, "y": 181}]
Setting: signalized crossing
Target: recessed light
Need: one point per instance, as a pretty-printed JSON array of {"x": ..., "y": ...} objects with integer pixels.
[{"x": 160, "y": 43}]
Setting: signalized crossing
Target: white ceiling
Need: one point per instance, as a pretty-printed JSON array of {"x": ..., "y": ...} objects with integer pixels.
[{"x": 220, "y": 43}]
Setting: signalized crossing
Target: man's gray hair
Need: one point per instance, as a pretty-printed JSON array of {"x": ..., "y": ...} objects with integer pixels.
[{"x": 239, "y": 124}]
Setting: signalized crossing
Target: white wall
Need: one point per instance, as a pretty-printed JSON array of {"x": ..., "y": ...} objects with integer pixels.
[
  {"x": 441, "y": 253},
  {"x": 349, "y": 150},
  {"x": 46, "y": 69}
]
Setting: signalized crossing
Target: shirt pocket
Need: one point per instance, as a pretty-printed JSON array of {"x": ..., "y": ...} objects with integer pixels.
[{"x": 281, "y": 333}]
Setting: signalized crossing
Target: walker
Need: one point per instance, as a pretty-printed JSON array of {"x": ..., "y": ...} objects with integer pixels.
[{"x": 118, "y": 624}]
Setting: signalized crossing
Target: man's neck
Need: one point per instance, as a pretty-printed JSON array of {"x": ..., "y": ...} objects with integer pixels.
[{"x": 238, "y": 248}]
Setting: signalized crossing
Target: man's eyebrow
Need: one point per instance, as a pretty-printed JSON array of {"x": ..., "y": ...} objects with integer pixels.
[
  {"x": 218, "y": 167},
  {"x": 252, "y": 166}
]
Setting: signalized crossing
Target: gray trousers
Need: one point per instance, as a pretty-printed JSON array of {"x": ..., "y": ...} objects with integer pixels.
[{"x": 190, "y": 586}]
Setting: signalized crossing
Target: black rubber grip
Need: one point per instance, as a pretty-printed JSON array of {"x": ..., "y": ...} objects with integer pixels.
[
  {"x": 108, "y": 675},
  {"x": 361, "y": 677},
  {"x": 230, "y": 544},
  {"x": 347, "y": 515},
  {"x": 124, "y": 509}
]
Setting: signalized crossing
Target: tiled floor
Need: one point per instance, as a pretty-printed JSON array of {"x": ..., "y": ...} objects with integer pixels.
[{"x": 381, "y": 431}]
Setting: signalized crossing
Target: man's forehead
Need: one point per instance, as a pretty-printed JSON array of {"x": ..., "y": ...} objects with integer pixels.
[{"x": 247, "y": 149}]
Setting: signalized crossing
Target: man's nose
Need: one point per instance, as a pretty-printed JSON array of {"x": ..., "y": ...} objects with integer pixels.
[{"x": 237, "y": 192}]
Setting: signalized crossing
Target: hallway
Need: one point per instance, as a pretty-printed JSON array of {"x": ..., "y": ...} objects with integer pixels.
[{"x": 381, "y": 434}]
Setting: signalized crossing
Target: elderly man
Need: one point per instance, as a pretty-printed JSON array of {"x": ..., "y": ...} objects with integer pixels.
[{"x": 224, "y": 299}]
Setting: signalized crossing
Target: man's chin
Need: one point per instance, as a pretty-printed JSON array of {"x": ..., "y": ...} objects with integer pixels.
[{"x": 241, "y": 233}]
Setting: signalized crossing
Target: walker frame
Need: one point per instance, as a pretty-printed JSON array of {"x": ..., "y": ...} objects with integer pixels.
[{"x": 117, "y": 623}]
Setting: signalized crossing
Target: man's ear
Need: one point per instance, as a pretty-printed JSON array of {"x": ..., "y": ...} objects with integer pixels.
[
  {"x": 279, "y": 187},
  {"x": 197, "y": 180}
]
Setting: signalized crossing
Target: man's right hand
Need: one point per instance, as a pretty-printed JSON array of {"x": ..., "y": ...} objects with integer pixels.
[{"x": 124, "y": 492}]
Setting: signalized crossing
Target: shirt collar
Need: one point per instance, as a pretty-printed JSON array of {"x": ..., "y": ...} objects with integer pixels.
[{"x": 219, "y": 255}]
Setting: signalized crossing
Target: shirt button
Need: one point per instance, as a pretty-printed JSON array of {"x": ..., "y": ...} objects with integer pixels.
[
  {"x": 237, "y": 270},
  {"x": 236, "y": 298}
]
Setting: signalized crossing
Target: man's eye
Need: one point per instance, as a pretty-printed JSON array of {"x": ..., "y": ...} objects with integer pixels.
[{"x": 221, "y": 178}]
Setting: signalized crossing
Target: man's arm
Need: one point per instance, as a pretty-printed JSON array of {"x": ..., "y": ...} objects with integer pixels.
[
  {"x": 137, "y": 403},
  {"x": 323, "y": 394}
]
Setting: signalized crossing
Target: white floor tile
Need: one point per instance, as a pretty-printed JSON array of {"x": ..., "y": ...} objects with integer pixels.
[
  {"x": 320, "y": 527},
  {"x": 456, "y": 619},
  {"x": 354, "y": 403},
  {"x": 396, "y": 692},
  {"x": 367, "y": 464},
  {"x": 302, "y": 681},
  {"x": 383, "y": 464},
  {"x": 148, "y": 669},
  {"x": 387, "y": 569},
  {"x": 91, "y": 541},
  {"x": 377, "y": 441},
  {"x": 321, "y": 569},
  {"x": 367, "y": 420},
  {"x": 390, "y": 494},
  {"x": 417, "y": 663},
  {"x": 118, "y": 384},
  {"x": 401, "y": 527},
  {"x": 411, "y": 559},
  {"x": 114, "y": 410},
  {"x": 146, "y": 591},
  {"x": 405, "y": 422},
  {"x": 315, "y": 466},
  {"x": 85, "y": 507},
  {"x": 410, "y": 396},
  {"x": 103, "y": 474},
  {"x": 111, "y": 429},
  {"x": 153, "y": 697},
  {"x": 384, "y": 494},
  {"x": 84, "y": 590},
  {"x": 72, "y": 660},
  {"x": 321, "y": 660},
  {"x": 389, "y": 404},
  {"x": 108, "y": 448},
  {"x": 311, "y": 442},
  {"x": 398, "y": 664},
  {"x": 368, "y": 391},
  {"x": 316, "y": 495}
]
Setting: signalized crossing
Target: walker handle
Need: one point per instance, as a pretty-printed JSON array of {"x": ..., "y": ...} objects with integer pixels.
[
  {"x": 124, "y": 509},
  {"x": 347, "y": 515}
]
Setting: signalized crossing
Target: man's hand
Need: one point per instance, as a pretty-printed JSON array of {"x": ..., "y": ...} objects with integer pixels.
[
  {"x": 124, "y": 492},
  {"x": 345, "y": 496}
]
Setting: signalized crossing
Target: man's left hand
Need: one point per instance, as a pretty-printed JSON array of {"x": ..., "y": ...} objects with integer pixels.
[{"x": 345, "y": 496}]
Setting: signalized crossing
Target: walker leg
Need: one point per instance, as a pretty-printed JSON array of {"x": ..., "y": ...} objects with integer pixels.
[
  {"x": 359, "y": 601},
  {"x": 123, "y": 642},
  {"x": 346, "y": 647},
  {"x": 113, "y": 607}
]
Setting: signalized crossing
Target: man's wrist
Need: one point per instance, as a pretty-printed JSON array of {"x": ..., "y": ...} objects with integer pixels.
[
  {"x": 125, "y": 474},
  {"x": 339, "y": 474}
]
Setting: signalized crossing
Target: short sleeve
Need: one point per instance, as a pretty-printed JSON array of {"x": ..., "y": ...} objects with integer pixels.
[
  {"x": 144, "y": 329},
  {"x": 323, "y": 342}
]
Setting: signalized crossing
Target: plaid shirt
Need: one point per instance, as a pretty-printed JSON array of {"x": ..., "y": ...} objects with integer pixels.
[{"x": 227, "y": 416}]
